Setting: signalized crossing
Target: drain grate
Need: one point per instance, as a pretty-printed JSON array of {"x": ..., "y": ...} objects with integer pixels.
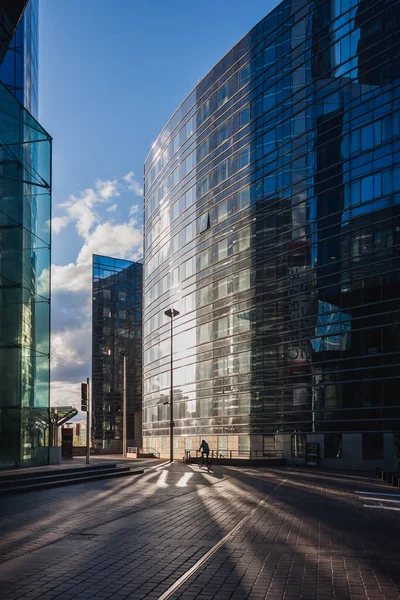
[{"x": 80, "y": 536}]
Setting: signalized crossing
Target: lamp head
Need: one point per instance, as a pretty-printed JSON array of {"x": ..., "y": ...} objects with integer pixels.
[{"x": 171, "y": 312}]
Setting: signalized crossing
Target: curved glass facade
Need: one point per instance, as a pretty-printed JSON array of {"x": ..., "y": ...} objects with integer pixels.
[{"x": 272, "y": 201}]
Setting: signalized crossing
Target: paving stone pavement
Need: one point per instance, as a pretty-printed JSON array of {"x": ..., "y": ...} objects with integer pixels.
[{"x": 245, "y": 532}]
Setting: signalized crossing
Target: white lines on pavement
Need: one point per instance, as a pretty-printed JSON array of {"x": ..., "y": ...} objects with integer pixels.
[
  {"x": 376, "y": 494},
  {"x": 184, "y": 480},
  {"x": 379, "y": 499},
  {"x": 162, "y": 465},
  {"x": 161, "y": 481},
  {"x": 380, "y": 507}
]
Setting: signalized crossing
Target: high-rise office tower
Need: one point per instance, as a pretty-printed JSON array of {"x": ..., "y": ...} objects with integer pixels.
[
  {"x": 117, "y": 330},
  {"x": 25, "y": 211},
  {"x": 272, "y": 200}
]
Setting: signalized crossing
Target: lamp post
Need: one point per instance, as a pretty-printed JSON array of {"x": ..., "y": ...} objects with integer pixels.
[
  {"x": 171, "y": 313},
  {"x": 124, "y": 355}
]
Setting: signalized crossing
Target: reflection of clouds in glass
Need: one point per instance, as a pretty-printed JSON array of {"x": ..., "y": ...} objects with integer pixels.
[
  {"x": 43, "y": 283},
  {"x": 333, "y": 329}
]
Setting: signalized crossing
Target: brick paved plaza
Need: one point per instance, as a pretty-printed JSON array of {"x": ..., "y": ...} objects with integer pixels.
[{"x": 249, "y": 533}]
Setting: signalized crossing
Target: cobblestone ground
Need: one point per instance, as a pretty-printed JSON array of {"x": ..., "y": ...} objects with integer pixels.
[{"x": 177, "y": 532}]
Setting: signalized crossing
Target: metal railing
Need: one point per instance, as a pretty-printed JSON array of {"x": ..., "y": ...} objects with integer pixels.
[
  {"x": 137, "y": 451},
  {"x": 231, "y": 454}
]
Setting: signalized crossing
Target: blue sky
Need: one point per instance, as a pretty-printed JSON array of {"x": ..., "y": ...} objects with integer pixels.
[{"x": 111, "y": 74}]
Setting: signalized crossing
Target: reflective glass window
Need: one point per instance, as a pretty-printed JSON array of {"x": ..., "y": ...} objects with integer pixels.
[
  {"x": 244, "y": 116},
  {"x": 244, "y": 445},
  {"x": 204, "y": 259},
  {"x": 244, "y": 76},
  {"x": 203, "y": 149},
  {"x": 298, "y": 445},
  {"x": 222, "y": 211},
  {"x": 244, "y": 239},
  {"x": 268, "y": 445},
  {"x": 244, "y": 157},
  {"x": 205, "y": 333},
  {"x": 222, "y": 288},
  {"x": 222, "y": 444},
  {"x": 222, "y": 327},
  {"x": 223, "y": 249},
  {"x": 244, "y": 198},
  {"x": 222, "y": 133},
  {"x": 241, "y": 322},
  {"x": 203, "y": 222},
  {"x": 241, "y": 281},
  {"x": 222, "y": 95},
  {"x": 204, "y": 186},
  {"x": 222, "y": 172},
  {"x": 333, "y": 446}
]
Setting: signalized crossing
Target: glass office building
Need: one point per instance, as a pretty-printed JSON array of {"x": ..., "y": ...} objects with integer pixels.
[
  {"x": 19, "y": 68},
  {"x": 117, "y": 328},
  {"x": 272, "y": 201},
  {"x": 25, "y": 213}
]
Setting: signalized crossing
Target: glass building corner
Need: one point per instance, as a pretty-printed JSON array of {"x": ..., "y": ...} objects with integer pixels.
[
  {"x": 271, "y": 222},
  {"x": 25, "y": 213}
]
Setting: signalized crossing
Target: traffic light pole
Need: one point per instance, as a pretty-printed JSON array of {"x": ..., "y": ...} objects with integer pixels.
[{"x": 88, "y": 424}]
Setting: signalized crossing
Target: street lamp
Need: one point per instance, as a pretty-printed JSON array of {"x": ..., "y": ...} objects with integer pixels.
[
  {"x": 171, "y": 313},
  {"x": 124, "y": 355}
]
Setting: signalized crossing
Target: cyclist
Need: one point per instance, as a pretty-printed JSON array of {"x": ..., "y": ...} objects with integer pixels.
[{"x": 205, "y": 451}]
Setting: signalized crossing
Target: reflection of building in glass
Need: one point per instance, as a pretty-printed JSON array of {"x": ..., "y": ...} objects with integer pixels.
[
  {"x": 25, "y": 210},
  {"x": 117, "y": 327},
  {"x": 272, "y": 224}
]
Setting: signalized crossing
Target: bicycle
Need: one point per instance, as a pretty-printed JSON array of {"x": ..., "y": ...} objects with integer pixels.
[{"x": 206, "y": 461}]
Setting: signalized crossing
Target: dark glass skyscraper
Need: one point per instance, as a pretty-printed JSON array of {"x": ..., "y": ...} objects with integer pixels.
[
  {"x": 272, "y": 201},
  {"x": 25, "y": 230},
  {"x": 117, "y": 328}
]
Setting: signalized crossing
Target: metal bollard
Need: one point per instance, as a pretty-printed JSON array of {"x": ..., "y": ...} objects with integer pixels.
[
  {"x": 378, "y": 471},
  {"x": 389, "y": 478},
  {"x": 383, "y": 475},
  {"x": 395, "y": 480}
]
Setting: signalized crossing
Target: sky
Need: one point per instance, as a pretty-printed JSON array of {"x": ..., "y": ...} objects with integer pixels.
[{"x": 111, "y": 73}]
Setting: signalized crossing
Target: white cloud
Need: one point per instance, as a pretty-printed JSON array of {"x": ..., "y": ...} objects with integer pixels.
[
  {"x": 107, "y": 189},
  {"x": 58, "y": 223},
  {"x": 65, "y": 393},
  {"x": 72, "y": 283},
  {"x": 133, "y": 185},
  {"x": 82, "y": 210}
]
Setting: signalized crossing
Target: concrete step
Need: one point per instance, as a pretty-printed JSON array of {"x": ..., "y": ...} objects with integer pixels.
[
  {"x": 32, "y": 486},
  {"x": 33, "y": 474},
  {"x": 55, "y": 476}
]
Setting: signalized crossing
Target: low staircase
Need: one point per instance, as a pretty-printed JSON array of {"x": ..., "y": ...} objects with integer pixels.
[{"x": 19, "y": 482}]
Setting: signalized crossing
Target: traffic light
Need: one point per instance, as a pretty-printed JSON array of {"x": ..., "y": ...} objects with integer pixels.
[{"x": 84, "y": 397}]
